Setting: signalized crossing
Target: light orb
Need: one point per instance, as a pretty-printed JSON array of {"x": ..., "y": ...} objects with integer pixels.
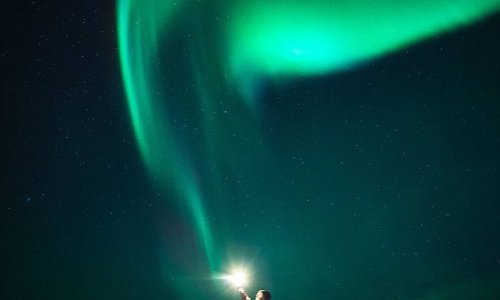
[{"x": 237, "y": 278}]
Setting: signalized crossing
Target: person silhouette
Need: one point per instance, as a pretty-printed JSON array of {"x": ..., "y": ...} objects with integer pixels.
[{"x": 261, "y": 295}]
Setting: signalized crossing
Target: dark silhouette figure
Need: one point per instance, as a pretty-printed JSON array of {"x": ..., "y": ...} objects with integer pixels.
[{"x": 261, "y": 295}]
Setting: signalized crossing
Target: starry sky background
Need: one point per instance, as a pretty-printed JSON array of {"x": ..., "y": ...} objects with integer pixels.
[{"x": 380, "y": 183}]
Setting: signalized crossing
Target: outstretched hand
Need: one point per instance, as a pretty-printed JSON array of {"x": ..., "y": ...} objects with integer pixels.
[{"x": 243, "y": 294}]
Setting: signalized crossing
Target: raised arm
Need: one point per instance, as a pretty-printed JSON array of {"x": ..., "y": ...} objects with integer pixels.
[{"x": 243, "y": 294}]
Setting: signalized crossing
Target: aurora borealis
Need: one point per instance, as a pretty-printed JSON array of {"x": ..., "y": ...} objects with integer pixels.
[
  {"x": 197, "y": 116},
  {"x": 294, "y": 37},
  {"x": 316, "y": 149}
]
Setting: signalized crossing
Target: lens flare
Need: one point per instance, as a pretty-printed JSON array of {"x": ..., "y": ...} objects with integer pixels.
[{"x": 237, "y": 278}]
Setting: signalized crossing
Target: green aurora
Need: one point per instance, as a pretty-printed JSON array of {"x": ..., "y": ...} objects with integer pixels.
[{"x": 226, "y": 57}]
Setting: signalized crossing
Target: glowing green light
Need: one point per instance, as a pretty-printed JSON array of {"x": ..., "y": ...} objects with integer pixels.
[
  {"x": 140, "y": 26},
  {"x": 309, "y": 37},
  {"x": 248, "y": 41}
]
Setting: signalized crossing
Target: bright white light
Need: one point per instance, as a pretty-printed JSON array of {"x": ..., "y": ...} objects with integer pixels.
[{"x": 237, "y": 278}]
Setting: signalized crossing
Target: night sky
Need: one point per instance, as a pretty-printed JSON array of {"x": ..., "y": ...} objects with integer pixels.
[{"x": 140, "y": 163}]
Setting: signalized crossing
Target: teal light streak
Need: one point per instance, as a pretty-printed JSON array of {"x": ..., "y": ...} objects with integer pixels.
[{"x": 140, "y": 26}]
